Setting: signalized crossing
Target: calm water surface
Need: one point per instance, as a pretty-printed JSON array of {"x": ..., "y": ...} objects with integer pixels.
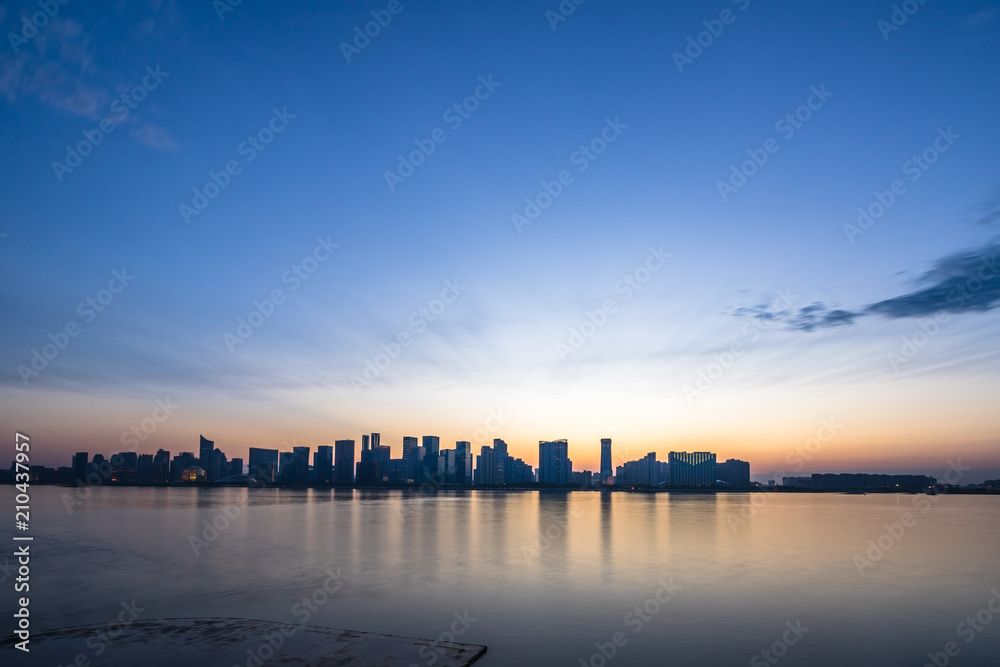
[{"x": 546, "y": 576}]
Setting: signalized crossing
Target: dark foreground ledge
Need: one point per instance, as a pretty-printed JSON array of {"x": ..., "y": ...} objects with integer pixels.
[{"x": 214, "y": 642}]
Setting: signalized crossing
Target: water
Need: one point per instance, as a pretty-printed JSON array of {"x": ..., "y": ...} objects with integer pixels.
[{"x": 539, "y": 577}]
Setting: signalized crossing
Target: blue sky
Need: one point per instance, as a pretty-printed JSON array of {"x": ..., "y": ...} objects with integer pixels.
[{"x": 495, "y": 346}]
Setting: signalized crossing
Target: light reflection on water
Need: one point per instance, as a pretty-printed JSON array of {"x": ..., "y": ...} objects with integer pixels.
[{"x": 545, "y": 575}]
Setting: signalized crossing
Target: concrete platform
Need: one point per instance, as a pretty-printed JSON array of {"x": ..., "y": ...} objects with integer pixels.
[{"x": 225, "y": 642}]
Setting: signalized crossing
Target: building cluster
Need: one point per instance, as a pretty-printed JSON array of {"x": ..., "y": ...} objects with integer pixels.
[
  {"x": 858, "y": 481},
  {"x": 422, "y": 462}
]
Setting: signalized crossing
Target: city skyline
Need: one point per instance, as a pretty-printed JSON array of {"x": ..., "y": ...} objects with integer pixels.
[{"x": 591, "y": 247}]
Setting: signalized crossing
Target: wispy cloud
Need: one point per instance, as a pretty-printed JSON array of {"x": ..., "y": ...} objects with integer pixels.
[{"x": 155, "y": 137}]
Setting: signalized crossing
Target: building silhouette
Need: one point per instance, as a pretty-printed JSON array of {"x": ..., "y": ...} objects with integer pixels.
[
  {"x": 323, "y": 464},
  {"x": 554, "y": 464},
  {"x": 607, "y": 468},
  {"x": 205, "y": 449},
  {"x": 343, "y": 461},
  {"x": 692, "y": 468},
  {"x": 263, "y": 464}
]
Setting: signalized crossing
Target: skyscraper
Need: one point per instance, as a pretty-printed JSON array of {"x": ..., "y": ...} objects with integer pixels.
[
  {"x": 301, "y": 465},
  {"x": 343, "y": 461},
  {"x": 409, "y": 442},
  {"x": 80, "y": 467},
  {"x": 432, "y": 447},
  {"x": 607, "y": 471},
  {"x": 205, "y": 449},
  {"x": 323, "y": 464},
  {"x": 463, "y": 462},
  {"x": 554, "y": 465},
  {"x": 500, "y": 451}
]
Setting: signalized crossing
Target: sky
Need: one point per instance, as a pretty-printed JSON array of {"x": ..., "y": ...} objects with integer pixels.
[{"x": 766, "y": 230}]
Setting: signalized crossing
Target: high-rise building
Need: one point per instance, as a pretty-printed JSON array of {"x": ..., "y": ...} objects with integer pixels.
[
  {"x": 554, "y": 464},
  {"x": 607, "y": 471},
  {"x": 381, "y": 455},
  {"x": 463, "y": 462},
  {"x": 300, "y": 465},
  {"x": 486, "y": 466},
  {"x": 323, "y": 464},
  {"x": 263, "y": 464},
  {"x": 692, "y": 468},
  {"x": 80, "y": 467},
  {"x": 205, "y": 449},
  {"x": 343, "y": 461},
  {"x": 500, "y": 451},
  {"x": 409, "y": 442},
  {"x": 432, "y": 447}
]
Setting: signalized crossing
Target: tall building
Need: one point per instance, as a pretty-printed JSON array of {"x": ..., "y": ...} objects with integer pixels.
[
  {"x": 607, "y": 471},
  {"x": 205, "y": 449},
  {"x": 301, "y": 465},
  {"x": 343, "y": 461},
  {"x": 692, "y": 468},
  {"x": 286, "y": 467},
  {"x": 463, "y": 462},
  {"x": 500, "y": 451},
  {"x": 323, "y": 464},
  {"x": 409, "y": 442},
  {"x": 80, "y": 467},
  {"x": 263, "y": 464},
  {"x": 432, "y": 447},
  {"x": 486, "y": 466},
  {"x": 381, "y": 455},
  {"x": 376, "y": 440},
  {"x": 554, "y": 465}
]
